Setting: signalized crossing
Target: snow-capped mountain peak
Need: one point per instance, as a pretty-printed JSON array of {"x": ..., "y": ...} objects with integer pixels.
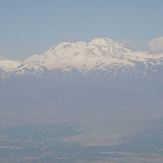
[
  {"x": 95, "y": 54},
  {"x": 99, "y": 54}
]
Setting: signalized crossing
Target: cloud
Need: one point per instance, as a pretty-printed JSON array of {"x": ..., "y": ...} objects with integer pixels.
[{"x": 156, "y": 44}]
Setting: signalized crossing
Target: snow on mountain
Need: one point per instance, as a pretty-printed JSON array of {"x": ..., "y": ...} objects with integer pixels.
[
  {"x": 98, "y": 54},
  {"x": 9, "y": 65}
]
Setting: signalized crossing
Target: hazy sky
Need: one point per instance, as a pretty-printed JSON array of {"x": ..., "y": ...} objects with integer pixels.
[{"x": 32, "y": 26}]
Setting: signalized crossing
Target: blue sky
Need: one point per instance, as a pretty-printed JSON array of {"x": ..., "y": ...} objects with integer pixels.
[{"x": 32, "y": 26}]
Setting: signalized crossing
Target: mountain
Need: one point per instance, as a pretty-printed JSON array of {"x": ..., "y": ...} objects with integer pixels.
[
  {"x": 93, "y": 100},
  {"x": 100, "y": 54}
]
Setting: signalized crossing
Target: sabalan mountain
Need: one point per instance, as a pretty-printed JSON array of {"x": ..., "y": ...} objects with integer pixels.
[
  {"x": 100, "y": 54},
  {"x": 83, "y": 100}
]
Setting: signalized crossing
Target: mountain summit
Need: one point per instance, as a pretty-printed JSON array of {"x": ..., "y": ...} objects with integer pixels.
[{"x": 100, "y": 54}]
